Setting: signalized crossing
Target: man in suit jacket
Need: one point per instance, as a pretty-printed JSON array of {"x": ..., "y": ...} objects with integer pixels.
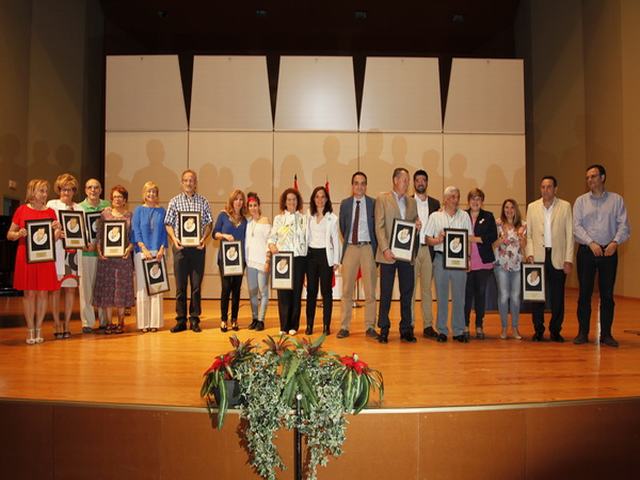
[
  {"x": 389, "y": 206},
  {"x": 423, "y": 265},
  {"x": 550, "y": 240},
  {"x": 358, "y": 232}
]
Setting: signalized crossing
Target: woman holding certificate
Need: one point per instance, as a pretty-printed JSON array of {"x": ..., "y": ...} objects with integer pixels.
[
  {"x": 258, "y": 261},
  {"x": 231, "y": 226},
  {"x": 114, "y": 276},
  {"x": 150, "y": 241},
  {"x": 33, "y": 226},
  {"x": 66, "y": 187},
  {"x": 323, "y": 257},
  {"x": 289, "y": 234}
]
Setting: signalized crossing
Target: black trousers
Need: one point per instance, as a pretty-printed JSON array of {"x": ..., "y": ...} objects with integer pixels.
[
  {"x": 188, "y": 266},
  {"x": 554, "y": 286},
  {"x": 319, "y": 271},
  {"x": 606, "y": 267},
  {"x": 289, "y": 301},
  {"x": 406, "y": 281},
  {"x": 230, "y": 289},
  {"x": 475, "y": 295}
]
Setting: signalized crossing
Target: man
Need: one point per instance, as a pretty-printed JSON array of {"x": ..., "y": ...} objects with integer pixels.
[
  {"x": 357, "y": 227},
  {"x": 390, "y": 206},
  {"x": 423, "y": 265},
  {"x": 188, "y": 262},
  {"x": 550, "y": 240},
  {"x": 600, "y": 224},
  {"x": 89, "y": 260},
  {"x": 451, "y": 216}
]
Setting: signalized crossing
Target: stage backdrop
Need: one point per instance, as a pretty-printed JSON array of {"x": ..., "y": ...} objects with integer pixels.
[{"x": 231, "y": 141}]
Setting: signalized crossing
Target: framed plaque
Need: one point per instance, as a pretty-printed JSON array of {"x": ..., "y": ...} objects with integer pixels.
[
  {"x": 456, "y": 248},
  {"x": 91, "y": 222},
  {"x": 232, "y": 258},
  {"x": 189, "y": 228},
  {"x": 533, "y": 289},
  {"x": 114, "y": 238},
  {"x": 40, "y": 241},
  {"x": 403, "y": 238},
  {"x": 73, "y": 226},
  {"x": 282, "y": 271},
  {"x": 155, "y": 275}
]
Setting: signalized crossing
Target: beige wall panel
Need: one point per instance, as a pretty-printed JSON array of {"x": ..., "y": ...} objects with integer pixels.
[
  {"x": 381, "y": 152},
  {"x": 314, "y": 157},
  {"x": 316, "y": 93},
  {"x": 228, "y": 160},
  {"x": 132, "y": 158},
  {"x": 230, "y": 93},
  {"x": 144, "y": 93},
  {"x": 401, "y": 95},
  {"x": 494, "y": 163},
  {"x": 485, "y": 96}
]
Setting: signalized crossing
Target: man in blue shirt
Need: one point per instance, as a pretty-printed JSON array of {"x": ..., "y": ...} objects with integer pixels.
[{"x": 600, "y": 224}]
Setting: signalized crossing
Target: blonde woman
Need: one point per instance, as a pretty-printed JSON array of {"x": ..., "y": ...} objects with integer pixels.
[
  {"x": 231, "y": 225},
  {"x": 67, "y": 262},
  {"x": 258, "y": 261},
  {"x": 35, "y": 279},
  {"x": 150, "y": 241}
]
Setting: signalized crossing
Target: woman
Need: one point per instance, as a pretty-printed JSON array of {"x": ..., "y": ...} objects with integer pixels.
[
  {"x": 231, "y": 225},
  {"x": 289, "y": 234},
  {"x": 323, "y": 257},
  {"x": 35, "y": 279},
  {"x": 258, "y": 261},
  {"x": 481, "y": 260},
  {"x": 114, "y": 276},
  {"x": 67, "y": 261},
  {"x": 150, "y": 241},
  {"x": 509, "y": 252}
]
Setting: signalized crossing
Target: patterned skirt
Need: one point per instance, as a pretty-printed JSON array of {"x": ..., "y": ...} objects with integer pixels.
[{"x": 114, "y": 283}]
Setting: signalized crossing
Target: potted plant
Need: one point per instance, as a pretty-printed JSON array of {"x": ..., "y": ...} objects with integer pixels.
[{"x": 357, "y": 380}]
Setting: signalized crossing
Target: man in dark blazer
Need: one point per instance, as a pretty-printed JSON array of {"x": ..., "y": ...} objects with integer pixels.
[
  {"x": 358, "y": 233},
  {"x": 423, "y": 266}
]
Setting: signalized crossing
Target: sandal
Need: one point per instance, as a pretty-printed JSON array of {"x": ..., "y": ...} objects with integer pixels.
[
  {"x": 38, "y": 337},
  {"x": 153, "y": 330},
  {"x": 144, "y": 330},
  {"x": 119, "y": 329},
  {"x": 66, "y": 334},
  {"x": 223, "y": 327},
  {"x": 58, "y": 336},
  {"x": 31, "y": 339},
  {"x": 109, "y": 329},
  {"x": 234, "y": 325}
]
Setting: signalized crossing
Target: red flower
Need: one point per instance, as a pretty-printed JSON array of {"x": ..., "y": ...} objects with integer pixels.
[
  {"x": 353, "y": 363},
  {"x": 220, "y": 363}
]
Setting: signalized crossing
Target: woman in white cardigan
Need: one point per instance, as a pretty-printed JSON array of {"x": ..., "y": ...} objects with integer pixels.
[{"x": 323, "y": 257}]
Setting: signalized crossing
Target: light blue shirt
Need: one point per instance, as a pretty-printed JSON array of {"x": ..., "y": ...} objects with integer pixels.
[
  {"x": 363, "y": 225},
  {"x": 600, "y": 219},
  {"x": 402, "y": 203}
]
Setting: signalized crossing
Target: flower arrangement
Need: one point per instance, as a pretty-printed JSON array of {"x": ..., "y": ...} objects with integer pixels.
[{"x": 269, "y": 381}]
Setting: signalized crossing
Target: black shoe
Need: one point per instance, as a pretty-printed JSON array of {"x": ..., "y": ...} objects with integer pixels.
[
  {"x": 442, "y": 338},
  {"x": 581, "y": 339},
  {"x": 234, "y": 325},
  {"x": 466, "y": 335},
  {"x": 429, "y": 332},
  {"x": 223, "y": 327},
  {"x": 371, "y": 333},
  {"x": 195, "y": 327},
  {"x": 556, "y": 337},
  {"x": 326, "y": 330},
  {"x": 259, "y": 326},
  {"x": 537, "y": 337},
  {"x": 253, "y": 324},
  {"x": 309, "y": 330},
  {"x": 343, "y": 333},
  {"x": 408, "y": 337},
  {"x": 87, "y": 330},
  {"x": 462, "y": 338},
  {"x": 179, "y": 327},
  {"x": 384, "y": 336},
  {"x": 609, "y": 341}
]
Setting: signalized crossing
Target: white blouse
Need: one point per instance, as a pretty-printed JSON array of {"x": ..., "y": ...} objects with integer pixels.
[
  {"x": 255, "y": 244},
  {"x": 318, "y": 232},
  {"x": 57, "y": 205},
  {"x": 289, "y": 233}
]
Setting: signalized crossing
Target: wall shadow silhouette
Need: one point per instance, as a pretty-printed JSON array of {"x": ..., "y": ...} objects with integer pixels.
[{"x": 156, "y": 170}]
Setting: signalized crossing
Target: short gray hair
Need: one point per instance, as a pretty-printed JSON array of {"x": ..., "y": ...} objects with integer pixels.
[{"x": 450, "y": 190}]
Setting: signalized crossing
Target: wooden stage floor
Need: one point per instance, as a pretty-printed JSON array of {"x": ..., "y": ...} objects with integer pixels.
[{"x": 165, "y": 369}]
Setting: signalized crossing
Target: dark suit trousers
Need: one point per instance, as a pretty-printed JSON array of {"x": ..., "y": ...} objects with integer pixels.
[
  {"x": 289, "y": 301},
  {"x": 188, "y": 266},
  {"x": 554, "y": 286},
  {"x": 406, "y": 281},
  {"x": 475, "y": 295},
  {"x": 606, "y": 267},
  {"x": 319, "y": 271}
]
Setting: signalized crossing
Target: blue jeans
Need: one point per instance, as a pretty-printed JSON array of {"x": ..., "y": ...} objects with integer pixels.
[
  {"x": 458, "y": 281},
  {"x": 258, "y": 282},
  {"x": 508, "y": 290}
]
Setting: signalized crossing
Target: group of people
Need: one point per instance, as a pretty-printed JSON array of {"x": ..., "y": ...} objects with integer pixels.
[{"x": 357, "y": 241}]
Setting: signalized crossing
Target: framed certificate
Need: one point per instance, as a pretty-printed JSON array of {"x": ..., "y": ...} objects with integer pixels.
[
  {"x": 282, "y": 271},
  {"x": 114, "y": 238},
  {"x": 403, "y": 237},
  {"x": 73, "y": 226},
  {"x": 91, "y": 222},
  {"x": 456, "y": 248},
  {"x": 533, "y": 289},
  {"x": 40, "y": 241},
  {"x": 155, "y": 275},
  {"x": 232, "y": 258},
  {"x": 189, "y": 229}
]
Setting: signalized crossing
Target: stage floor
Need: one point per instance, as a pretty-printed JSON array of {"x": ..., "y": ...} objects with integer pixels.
[{"x": 165, "y": 369}]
